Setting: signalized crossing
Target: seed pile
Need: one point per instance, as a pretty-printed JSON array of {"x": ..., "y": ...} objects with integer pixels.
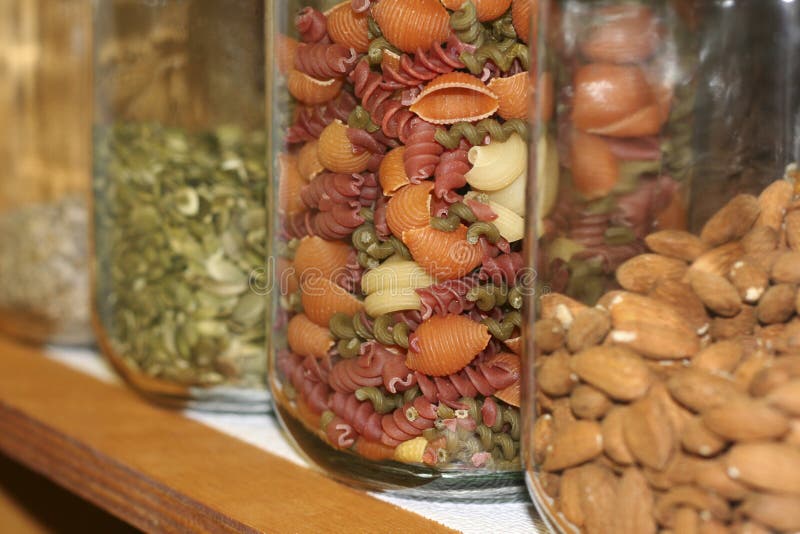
[{"x": 674, "y": 404}]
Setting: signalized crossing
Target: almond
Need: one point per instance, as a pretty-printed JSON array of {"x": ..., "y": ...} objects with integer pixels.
[
  {"x": 712, "y": 476},
  {"x": 560, "y": 307},
  {"x": 732, "y": 221},
  {"x": 746, "y": 420},
  {"x": 682, "y": 298},
  {"x": 749, "y": 279},
  {"x": 781, "y": 371},
  {"x": 760, "y": 240},
  {"x": 569, "y": 494},
  {"x": 781, "y": 512},
  {"x": 617, "y": 371},
  {"x": 550, "y": 483},
  {"x": 716, "y": 292},
  {"x": 719, "y": 260},
  {"x": 613, "y": 436},
  {"x": 792, "y": 228},
  {"x": 786, "y": 268},
  {"x": 699, "y": 390},
  {"x": 679, "y": 471},
  {"x": 722, "y": 356},
  {"x": 648, "y": 433},
  {"x": 773, "y": 201},
  {"x": 548, "y": 335},
  {"x": 677, "y": 415},
  {"x": 598, "y": 499},
  {"x": 588, "y": 329},
  {"x": 651, "y": 328},
  {"x": 742, "y": 324},
  {"x": 693, "y": 497},
  {"x": 773, "y": 467},
  {"x": 641, "y": 272},
  {"x": 786, "y": 397},
  {"x": 712, "y": 526},
  {"x": 752, "y": 364},
  {"x": 793, "y": 437},
  {"x": 573, "y": 445},
  {"x": 588, "y": 402},
  {"x": 562, "y": 414},
  {"x": 676, "y": 244},
  {"x": 543, "y": 430},
  {"x": 698, "y": 439},
  {"x": 554, "y": 375},
  {"x": 777, "y": 304},
  {"x": 686, "y": 521},
  {"x": 634, "y": 505}
]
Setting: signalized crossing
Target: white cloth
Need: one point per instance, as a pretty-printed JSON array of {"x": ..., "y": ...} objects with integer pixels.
[{"x": 264, "y": 432}]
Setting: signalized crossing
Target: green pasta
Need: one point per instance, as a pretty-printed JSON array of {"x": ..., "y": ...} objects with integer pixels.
[
  {"x": 485, "y": 229},
  {"x": 371, "y": 248},
  {"x": 359, "y": 118},
  {"x": 364, "y": 236},
  {"x": 411, "y": 394},
  {"x": 400, "y": 334},
  {"x": 376, "y": 49},
  {"x": 475, "y": 133},
  {"x": 349, "y": 348},
  {"x": 363, "y": 329},
  {"x": 367, "y": 261},
  {"x": 515, "y": 298},
  {"x": 381, "y": 402},
  {"x": 503, "y": 28},
  {"x": 463, "y": 211},
  {"x": 449, "y": 223},
  {"x": 373, "y": 30},
  {"x": 501, "y": 53},
  {"x": 466, "y": 26},
  {"x": 489, "y": 296},
  {"x": 502, "y": 330},
  {"x": 326, "y": 418},
  {"x": 445, "y": 412},
  {"x": 619, "y": 235},
  {"x": 341, "y": 326},
  {"x": 381, "y": 329},
  {"x": 511, "y": 416}
]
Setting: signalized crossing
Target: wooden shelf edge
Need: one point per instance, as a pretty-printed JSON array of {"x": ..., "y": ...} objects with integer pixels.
[{"x": 160, "y": 471}]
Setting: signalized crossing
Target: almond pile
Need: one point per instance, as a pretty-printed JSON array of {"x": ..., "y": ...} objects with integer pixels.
[{"x": 674, "y": 404}]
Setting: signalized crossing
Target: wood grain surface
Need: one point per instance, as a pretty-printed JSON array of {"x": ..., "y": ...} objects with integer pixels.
[{"x": 161, "y": 472}]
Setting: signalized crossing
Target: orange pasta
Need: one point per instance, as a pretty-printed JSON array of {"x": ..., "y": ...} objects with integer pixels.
[
  {"x": 316, "y": 257},
  {"x": 514, "y": 344},
  {"x": 307, "y": 161},
  {"x": 455, "y": 97},
  {"x": 322, "y": 299},
  {"x": 412, "y": 25},
  {"x": 336, "y": 152},
  {"x": 409, "y": 208},
  {"x": 628, "y": 33},
  {"x": 392, "y": 172},
  {"x": 510, "y": 394},
  {"x": 446, "y": 344},
  {"x": 306, "y": 338},
  {"x": 310, "y": 90},
  {"x": 485, "y": 9},
  {"x": 348, "y": 28},
  {"x": 595, "y": 169},
  {"x": 372, "y": 450},
  {"x": 521, "y": 18},
  {"x": 445, "y": 255},
  {"x": 287, "y": 277},
  {"x": 512, "y": 94},
  {"x": 606, "y": 94},
  {"x": 291, "y": 183}
]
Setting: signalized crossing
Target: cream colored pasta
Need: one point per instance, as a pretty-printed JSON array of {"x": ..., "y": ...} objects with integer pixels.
[
  {"x": 546, "y": 179},
  {"x": 411, "y": 451},
  {"x": 497, "y": 164},
  {"x": 391, "y": 300},
  {"x": 512, "y": 196},
  {"x": 395, "y": 275},
  {"x": 510, "y": 225}
]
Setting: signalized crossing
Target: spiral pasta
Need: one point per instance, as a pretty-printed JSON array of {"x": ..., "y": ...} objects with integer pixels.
[
  {"x": 325, "y": 61},
  {"x": 476, "y": 133},
  {"x": 503, "y": 54},
  {"x": 451, "y": 172},
  {"x": 311, "y": 24},
  {"x": 466, "y": 26}
]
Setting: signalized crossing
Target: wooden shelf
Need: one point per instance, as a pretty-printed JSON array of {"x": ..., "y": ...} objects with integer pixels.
[{"x": 159, "y": 471}]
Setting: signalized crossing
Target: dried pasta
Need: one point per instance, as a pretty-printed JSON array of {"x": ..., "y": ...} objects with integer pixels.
[{"x": 498, "y": 164}]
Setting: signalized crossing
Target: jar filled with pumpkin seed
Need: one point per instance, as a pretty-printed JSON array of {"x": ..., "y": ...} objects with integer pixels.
[
  {"x": 179, "y": 199},
  {"x": 44, "y": 181}
]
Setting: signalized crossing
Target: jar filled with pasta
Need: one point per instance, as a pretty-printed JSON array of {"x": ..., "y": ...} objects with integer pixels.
[
  {"x": 180, "y": 199},
  {"x": 400, "y": 132},
  {"x": 662, "y": 376},
  {"x": 45, "y": 118}
]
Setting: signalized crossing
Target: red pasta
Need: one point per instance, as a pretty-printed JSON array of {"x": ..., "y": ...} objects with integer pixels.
[
  {"x": 408, "y": 421},
  {"x": 325, "y": 61},
  {"x": 309, "y": 121},
  {"x": 379, "y": 219},
  {"x": 340, "y": 434},
  {"x": 503, "y": 269},
  {"x": 360, "y": 415},
  {"x": 312, "y": 25},
  {"x": 422, "y": 154},
  {"x": 486, "y": 375},
  {"x": 423, "y": 66},
  {"x": 362, "y": 140},
  {"x": 329, "y": 189},
  {"x": 309, "y": 378},
  {"x": 450, "y": 173},
  {"x": 384, "y": 108},
  {"x": 448, "y": 297},
  {"x": 363, "y": 371}
]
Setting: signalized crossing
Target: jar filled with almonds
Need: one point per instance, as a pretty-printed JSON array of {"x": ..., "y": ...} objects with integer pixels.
[
  {"x": 180, "y": 199},
  {"x": 45, "y": 118},
  {"x": 663, "y": 383}
]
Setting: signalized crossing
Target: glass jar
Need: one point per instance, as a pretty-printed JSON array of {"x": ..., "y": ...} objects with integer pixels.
[
  {"x": 666, "y": 208},
  {"x": 399, "y": 141},
  {"x": 179, "y": 199},
  {"x": 44, "y": 145}
]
